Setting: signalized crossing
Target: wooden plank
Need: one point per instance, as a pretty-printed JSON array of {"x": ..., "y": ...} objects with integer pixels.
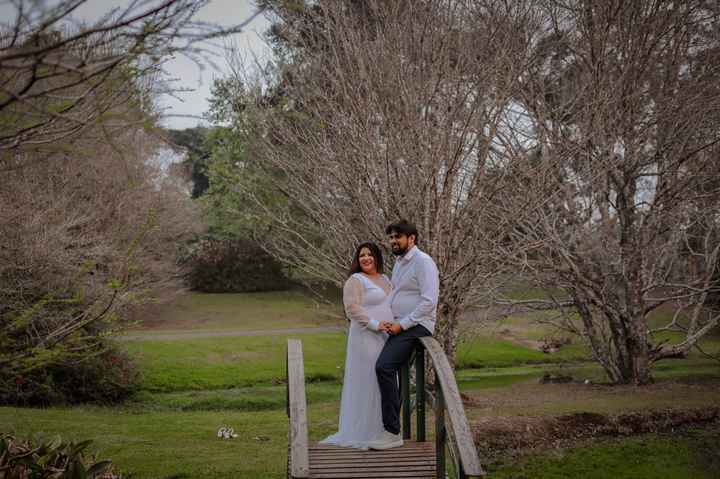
[
  {"x": 456, "y": 413},
  {"x": 321, "y": 450},
  {"x": 370, "y": 455},
  {"x": 406, "y": 445},
  {"x": 412, "y": 460},
  {"x": 370, "y": 465},
  {"x": 405, "y": 449},
  {"x": 368, "y": 459},
  {"x": 373, "y": 474},
  {"x": 392, "y": 465},
  {"x": 297, "y": 408}
]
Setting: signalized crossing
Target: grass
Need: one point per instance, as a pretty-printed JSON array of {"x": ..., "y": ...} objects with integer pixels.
[
  {"x": 488, "y": 352},
  {"x": 232, "y": 362},
  {"x": 695, "y": 454},
  {"x": 193, "y": 386},
  {"x": 161, "y": 444},
  {"x": 256, "y": 398},
  {"x": 237, "y": 312}
]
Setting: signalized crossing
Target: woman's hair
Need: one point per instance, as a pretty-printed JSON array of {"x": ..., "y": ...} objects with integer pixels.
[
  {"x": 403, "y": 227},
  {"x": 374, "y": 250}
]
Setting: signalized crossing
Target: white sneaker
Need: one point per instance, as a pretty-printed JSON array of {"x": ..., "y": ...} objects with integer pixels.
[{"x": 387, "y": 441}]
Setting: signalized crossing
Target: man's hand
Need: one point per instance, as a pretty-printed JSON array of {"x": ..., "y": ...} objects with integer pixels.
[
  {"x": 394, "y": 329},
  {"x": 385, "y": 326}
]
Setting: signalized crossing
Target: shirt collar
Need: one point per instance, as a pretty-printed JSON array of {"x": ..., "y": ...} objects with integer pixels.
[{"x": 409, "y": 255}]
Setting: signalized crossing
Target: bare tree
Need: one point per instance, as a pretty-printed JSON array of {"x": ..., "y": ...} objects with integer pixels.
[
  {"x": 53, "y": 71},
  {"x": 387, "y": 110},
  {"x": 88, "y": 225},
  {"x": 620, "y": 183},
  {"x": 569, "y": 143}
]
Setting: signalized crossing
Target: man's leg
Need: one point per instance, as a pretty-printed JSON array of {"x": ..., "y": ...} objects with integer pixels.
[{"x": 396, "y": 352}]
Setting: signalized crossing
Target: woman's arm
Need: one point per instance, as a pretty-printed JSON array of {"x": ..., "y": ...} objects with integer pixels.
[{"x": 352, "y": 300}]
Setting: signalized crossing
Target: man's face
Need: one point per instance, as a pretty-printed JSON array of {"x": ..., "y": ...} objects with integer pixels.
[{"x": 400, "y": 243}]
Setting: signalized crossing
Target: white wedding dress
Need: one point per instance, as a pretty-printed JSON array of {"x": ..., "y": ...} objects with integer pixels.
[{"x": 360, "y": 413}]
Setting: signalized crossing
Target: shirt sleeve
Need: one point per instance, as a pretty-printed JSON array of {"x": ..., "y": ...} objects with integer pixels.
[
  {"x": 429, "y": 282},
  {"x": 352, "y": 300}
]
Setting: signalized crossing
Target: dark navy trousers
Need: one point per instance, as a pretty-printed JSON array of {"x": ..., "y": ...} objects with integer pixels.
[{"x": 396, "y": 352}]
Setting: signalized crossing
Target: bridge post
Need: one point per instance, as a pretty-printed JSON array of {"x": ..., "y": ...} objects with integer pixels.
[
  {"x": 420, "y": 392},
  {"x": 440, "y": 432},
  {"x": 405, "y": 391}
]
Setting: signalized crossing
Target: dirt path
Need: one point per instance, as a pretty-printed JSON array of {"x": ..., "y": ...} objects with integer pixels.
[{"x": 180, "y": 335}]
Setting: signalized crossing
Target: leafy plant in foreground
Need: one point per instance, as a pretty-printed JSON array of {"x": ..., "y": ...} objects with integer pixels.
[{"x": 48, "y": 458}]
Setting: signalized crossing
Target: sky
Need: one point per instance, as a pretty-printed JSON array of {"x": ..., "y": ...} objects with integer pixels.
[{"x": 186, "y": 73}]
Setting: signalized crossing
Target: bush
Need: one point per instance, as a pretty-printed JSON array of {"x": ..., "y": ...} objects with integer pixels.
[
  {"x": 50, "y": 458},
  {"x": 106, "y": 375},
  {"x": 234, "y": 266}
]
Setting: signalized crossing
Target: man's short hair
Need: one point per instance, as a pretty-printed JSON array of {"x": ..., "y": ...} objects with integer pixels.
[{"x": 403, "y": 227}]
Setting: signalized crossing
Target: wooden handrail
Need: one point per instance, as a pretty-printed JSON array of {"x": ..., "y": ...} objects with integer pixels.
[
  {"x": 446, "y": 403},
  {"x": 446, "y": 400},
  {"x": 299, "y": 463}
]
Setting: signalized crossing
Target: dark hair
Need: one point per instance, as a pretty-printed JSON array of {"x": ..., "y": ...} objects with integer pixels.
[
  {"x": 374, "y": 250},
  {"x": 403, "y": 227}
]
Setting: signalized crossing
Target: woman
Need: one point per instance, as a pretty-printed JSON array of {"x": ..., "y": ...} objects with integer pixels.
[{"x": 365, "y": 297}]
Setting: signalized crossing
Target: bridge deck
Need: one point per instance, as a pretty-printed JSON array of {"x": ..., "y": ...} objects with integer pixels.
[{"x": 412, "y": 460}]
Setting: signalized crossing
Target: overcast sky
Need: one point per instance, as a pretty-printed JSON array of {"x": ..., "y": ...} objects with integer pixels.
[
  {"x": 187, "y": 73},
  {"x": 223, "y": 12}
]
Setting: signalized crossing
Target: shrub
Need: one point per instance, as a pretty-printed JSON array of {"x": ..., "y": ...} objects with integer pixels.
[
  {"x": 50, "y": 458},
  {"x": 234, "y": 266},
  {"x": 106, "y": 375}
]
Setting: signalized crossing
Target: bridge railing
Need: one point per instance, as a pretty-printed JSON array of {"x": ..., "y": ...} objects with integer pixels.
[
  {"x": 298, "y": 453},
  {"x": 452, "y": 429}
]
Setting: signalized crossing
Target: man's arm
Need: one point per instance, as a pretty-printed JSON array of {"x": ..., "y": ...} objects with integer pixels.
[{"x": 429, "y": 282}]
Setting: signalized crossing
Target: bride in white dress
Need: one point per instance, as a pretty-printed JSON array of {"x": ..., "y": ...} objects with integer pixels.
[{"x": 366, "y": 301}]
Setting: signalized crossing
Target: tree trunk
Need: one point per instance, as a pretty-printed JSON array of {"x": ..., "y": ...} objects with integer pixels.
[
  {"x": 446, "y": 331},
  {"x": 626, "y": 359}
]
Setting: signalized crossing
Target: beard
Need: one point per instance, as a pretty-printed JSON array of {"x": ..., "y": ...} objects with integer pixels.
[{"x": 399, "y": 251}]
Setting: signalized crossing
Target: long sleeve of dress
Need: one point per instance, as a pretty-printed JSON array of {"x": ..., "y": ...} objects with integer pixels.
[{"x": 352, "y": 300}]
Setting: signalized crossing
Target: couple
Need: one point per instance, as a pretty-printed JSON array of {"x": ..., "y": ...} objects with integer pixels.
[{"x": 386, "y": 318}]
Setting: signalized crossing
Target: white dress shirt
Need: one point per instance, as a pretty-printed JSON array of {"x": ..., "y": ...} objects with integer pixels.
[{"x": 416, "y": 285}]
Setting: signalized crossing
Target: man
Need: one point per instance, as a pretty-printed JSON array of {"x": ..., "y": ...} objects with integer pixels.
[{"x": 413, "y": 301}]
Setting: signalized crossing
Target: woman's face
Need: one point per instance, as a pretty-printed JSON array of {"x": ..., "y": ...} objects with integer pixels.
[{"x": 367, "y": 261}]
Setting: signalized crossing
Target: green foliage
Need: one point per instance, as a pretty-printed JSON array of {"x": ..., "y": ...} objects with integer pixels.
[
  {"x": 54, "y": 345},
  {"x": 242, "y": 195},
  {"x": 102, "y": 374},
  {"x": 47, "y": 458},
  {"x": 195, "y": 141}
]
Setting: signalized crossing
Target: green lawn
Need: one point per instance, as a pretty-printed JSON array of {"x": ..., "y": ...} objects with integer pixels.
[
  {"x": 693, "y": 455},
  {"x": 231, "y": 362},
  {"x": 237, "y": 312},
  {"x": 193, "y": 386},
  {"x": 154, "y": 445},
  {"x": 488, "y": 352}
]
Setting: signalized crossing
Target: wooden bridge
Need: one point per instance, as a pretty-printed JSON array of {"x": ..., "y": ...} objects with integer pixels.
[{"x": 450, "y": 454}]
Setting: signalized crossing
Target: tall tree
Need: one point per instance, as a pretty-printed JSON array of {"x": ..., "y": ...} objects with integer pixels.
[
  {"x": 87, "y": 224},
  {"x": 381, "y": 111},
  {"x": 622, "y": 101},
  {"x": 53, "y": 70}
]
